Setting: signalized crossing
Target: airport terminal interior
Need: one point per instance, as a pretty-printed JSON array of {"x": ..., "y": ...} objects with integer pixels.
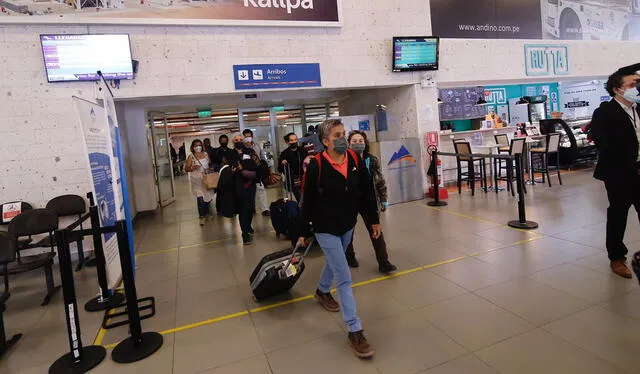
[{"x": 125, "y": 248}]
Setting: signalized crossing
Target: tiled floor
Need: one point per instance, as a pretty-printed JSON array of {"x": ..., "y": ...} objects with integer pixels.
[{"x": 472, "y": 295}]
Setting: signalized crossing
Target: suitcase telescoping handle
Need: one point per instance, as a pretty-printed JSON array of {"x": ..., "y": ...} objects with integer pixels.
[
  {"x": 288, "y": 181},
  {"x": 293, "y": 254}
]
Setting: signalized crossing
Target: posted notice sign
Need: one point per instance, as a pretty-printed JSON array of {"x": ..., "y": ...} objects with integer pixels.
[
  {"x": 105, "y": 181},
  {"x": 258, "y": 77}
]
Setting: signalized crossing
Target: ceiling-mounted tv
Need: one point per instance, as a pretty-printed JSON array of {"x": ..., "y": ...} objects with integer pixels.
[
  {"x": 75, "y": 58},
  {"x": 415, "y": 53}
]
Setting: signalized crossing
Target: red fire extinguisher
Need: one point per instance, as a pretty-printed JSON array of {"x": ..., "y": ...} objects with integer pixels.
[{"x": 435, "y": 175}]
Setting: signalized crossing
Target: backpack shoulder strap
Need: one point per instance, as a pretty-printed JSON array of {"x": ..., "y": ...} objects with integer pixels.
[
  {"x": 355, "y": 157},
  {"x": 318, "y": 158}
]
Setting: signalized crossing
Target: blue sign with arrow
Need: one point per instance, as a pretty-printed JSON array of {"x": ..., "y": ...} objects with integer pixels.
[{"x": 256, "y": 77}]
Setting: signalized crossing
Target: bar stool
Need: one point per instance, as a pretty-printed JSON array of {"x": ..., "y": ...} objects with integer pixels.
[
  {"x": 515, "y": 149},
  {"x": 470, "y": 175},
  {"x": 544, "y": 153},
  {"x": 503, "y": 141}
]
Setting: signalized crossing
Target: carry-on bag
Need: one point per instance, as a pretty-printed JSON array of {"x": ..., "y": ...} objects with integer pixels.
[
  {"x": 284, "y": 211},
  {"x": 277, "y": 272}
]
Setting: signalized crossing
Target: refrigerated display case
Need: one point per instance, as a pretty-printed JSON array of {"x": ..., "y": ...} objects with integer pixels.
[{"x": 575, "y": 145}]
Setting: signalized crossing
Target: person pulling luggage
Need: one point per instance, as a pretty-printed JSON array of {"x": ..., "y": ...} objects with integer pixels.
[
  {"x": 290, "y": 164},
  {"x": 335, "y": 189},
  {"x": 360, "y": 144}
]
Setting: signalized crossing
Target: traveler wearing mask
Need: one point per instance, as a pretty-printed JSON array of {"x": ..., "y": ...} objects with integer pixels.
[
  {"x": 197, "y": 164},
  {"x": 291, "y": 160},
  {"x": 245, "y": 169},
  {"x": 262, "y": 202},
  {"x": 359, "y": 143},
  {"x": 335, "y": 189},
  {"x": 223, "y": 151},
  {"x": 615, "y": 128}
]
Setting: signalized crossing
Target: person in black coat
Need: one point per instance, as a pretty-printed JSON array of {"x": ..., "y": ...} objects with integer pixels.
[
  {"x": 335, "y": 188},
  {"x": 290, "y": 163},
  {"x": 615, "y": 129}
]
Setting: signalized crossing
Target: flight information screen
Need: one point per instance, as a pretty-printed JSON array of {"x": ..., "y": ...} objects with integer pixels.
[
  {"x": 70, "y": 58},
  {"x": 415, "y": 53}
]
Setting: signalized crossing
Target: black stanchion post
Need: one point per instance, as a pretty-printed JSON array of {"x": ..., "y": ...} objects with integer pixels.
[
  {"x": 90, "y": 262},
  {"x": 139, "y": 345},
  {"x": 436, "y": 182},
  {"x": 79, "y": 359},
  {"x": 106, "y": 299},
  {"x": 522, "y": 222}
]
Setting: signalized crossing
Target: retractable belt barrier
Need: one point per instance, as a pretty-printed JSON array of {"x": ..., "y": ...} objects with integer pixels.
[
  {"x": 522, "y": 222},
  {"x": 139, "y": 345}
]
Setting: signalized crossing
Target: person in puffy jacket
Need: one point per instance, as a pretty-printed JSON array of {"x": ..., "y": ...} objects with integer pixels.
[{"x": 359, "y": 143}]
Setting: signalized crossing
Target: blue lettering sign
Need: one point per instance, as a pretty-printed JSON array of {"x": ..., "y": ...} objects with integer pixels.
[
  {"x": 259, "y": 77},
  {"x": 546, "y": 60}
]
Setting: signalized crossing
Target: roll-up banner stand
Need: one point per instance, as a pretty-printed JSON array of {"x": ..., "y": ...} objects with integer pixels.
[
  {"x": 108, "y": 184},
  {"x": 112, "y": 121}
]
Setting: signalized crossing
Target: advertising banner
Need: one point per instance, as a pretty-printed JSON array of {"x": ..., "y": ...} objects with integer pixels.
[
  {"x": 402, "y": 169},
  {"x": 536, "y": 19},
  {"x": 325, "y": 13},
  {"x": 105, "y": 183}
]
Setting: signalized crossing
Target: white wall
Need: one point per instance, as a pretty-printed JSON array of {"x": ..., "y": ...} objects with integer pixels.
[
  {"x": 183, "y": 60},
  {"x": 174, "y": 61}
]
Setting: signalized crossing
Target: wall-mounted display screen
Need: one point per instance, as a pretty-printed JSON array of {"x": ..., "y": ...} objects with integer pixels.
[
  {"x": 415, "y": 53},
  {"x": 73, "y": 58}
]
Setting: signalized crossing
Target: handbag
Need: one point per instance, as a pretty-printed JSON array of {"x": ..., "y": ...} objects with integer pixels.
[{"x": 210, "y": 179}]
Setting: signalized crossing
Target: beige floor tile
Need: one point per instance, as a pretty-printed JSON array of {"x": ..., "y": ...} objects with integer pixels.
[
  {"x": 521, "y": 260},
  {"x": 605, "y": 334},
  {"x": 541, "y": 352},
  {"x": 215, "y": 345},
  {"x": 255, "y": 365},
  {"x": 406, "y": 343},
  {"x": 585, "y": 284},
  {"x": 467, "y": 364},
  {"x": 473, "y": 322},
  {"x": 293, "y": 324},
  {"x": 625, "y": 305},
  {"x": 474, "y": 274},
  {"x": 533, "y": 301},
  {"x": 419, "y": 289},
  {"x": 328, "y": 354}
]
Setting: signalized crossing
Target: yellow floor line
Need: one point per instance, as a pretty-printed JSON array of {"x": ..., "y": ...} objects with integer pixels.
[
  {"x": 102, "y": 332},
  {"x": 161, "y": 251}
]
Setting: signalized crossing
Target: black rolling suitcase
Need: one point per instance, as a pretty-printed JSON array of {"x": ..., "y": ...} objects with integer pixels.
[
  {"x": 284, "y": 211},
  {"x": 277, "y": 272}
]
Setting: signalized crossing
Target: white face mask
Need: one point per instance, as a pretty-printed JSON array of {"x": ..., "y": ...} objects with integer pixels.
[
  {"x": 198, "y": 149},
  {"x": 248, "y": 139},
  {"x": 632, "y": 94}
]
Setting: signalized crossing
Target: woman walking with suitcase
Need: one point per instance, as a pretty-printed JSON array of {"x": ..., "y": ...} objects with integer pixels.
[
  {"x": 335, "y": 189},
  {"x": 360, "y": 144}
]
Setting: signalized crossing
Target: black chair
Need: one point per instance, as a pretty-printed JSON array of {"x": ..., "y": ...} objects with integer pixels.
[
  {"x": 515, "y": 149},
  {"x": 463, "y": 147},
  {"x": 27, "y": 224},
  {"x": 70, "y": 206},
  {"x": 550, "y": 149},
  {"x": 4, "y": 221},
  {"x": 7, "y": 255}
]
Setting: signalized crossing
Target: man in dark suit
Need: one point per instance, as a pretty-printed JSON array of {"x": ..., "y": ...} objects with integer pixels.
[{"x": 615, "y": 128}]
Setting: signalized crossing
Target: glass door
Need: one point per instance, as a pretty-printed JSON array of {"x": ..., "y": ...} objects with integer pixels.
[{"x": 162, "y": 163}]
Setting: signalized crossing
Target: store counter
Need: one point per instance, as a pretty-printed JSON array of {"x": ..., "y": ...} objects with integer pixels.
[{"x": 449, "y": 165}]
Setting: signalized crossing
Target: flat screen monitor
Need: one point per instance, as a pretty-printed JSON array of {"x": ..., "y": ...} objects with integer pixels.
[
  {"x": 75, "y": 58},
  {"x": 415, "y": 53}
]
